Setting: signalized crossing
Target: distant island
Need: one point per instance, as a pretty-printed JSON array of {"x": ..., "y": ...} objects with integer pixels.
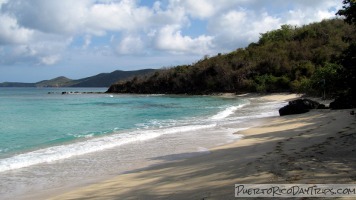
[{"x": 100, "y": 80}]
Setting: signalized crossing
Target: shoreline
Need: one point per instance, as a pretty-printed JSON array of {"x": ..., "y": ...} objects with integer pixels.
[
  {"x": 266, "y": 152},
  {"x": 290, "y": 149},
  {"x": 209, "y": 131},
  {"x": 178, "y": 147}
]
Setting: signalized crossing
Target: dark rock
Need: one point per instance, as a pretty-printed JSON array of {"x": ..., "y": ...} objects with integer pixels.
[
  {"x": 292, "y": 109},
  {"x": 307, "y": 103},
  {"x": 343, "y": 102},
  {"x": 322, "y": 106},
  {"x": 300, "y": 106}
]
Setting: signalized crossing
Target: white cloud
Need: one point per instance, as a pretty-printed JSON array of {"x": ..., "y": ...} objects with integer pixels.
[
  {"x": 264, "y": 24},
  {"x": 42, "y": 52},
  {"x": 130, "y": 45},
  {"x": 205, "y": 9},
  {"x": 199, "y": 8},
  {"x": 12, "y": 33},
  {"x": 170, "y": 38},
  {"x": 49, "y": 60},
  {"x": 59, "y": 17},
  {"x": 306, "y": 16},
  {"x": 317, "y": 4},
  {"x": 173, "y": 15},
  {"x": 122, "y": 16},
  {"x": 242, "y": 23},
  {"x": 238, "y": 28},
  {"x": 43, "y": 31}
]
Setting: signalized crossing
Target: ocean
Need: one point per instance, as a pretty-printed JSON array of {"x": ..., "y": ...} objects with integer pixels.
[{"x": 50, "y": 141}]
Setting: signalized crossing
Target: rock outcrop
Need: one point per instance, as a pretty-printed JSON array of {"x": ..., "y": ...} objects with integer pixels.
[
  {"x": 300, "y": 106},
  {"x": 343, "y": 102}
]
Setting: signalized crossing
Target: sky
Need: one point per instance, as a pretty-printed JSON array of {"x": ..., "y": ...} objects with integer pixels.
[{"x": 44, "y": 39}]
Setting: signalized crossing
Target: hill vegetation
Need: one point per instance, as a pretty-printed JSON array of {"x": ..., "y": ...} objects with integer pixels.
[
  {"x": 56, "y": 82},
  {"x": 106, "y": 79},
  {"x": 100, "y": 80},
  {"x": 294, "y": 59}
]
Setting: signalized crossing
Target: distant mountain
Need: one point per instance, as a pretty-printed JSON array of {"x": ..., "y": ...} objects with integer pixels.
[
  {"x": 16, "y": 84},
  {"x": 106, "y": 79},
  {"x": 100, "y": 80},
  {"x": 56, "y": 82}
]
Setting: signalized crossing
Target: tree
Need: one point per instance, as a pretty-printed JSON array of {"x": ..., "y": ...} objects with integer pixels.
[
  {"x": 348, "y": 59},
  {"x": 348, "y": 11},
  {"x": 285, "y": 33},
  {"x": 326, "y": 79},
  {"x": 283, "y": 60}
]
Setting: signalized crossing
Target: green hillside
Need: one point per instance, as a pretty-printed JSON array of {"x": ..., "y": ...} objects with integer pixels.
[
  {"x": 106, "y": 79},
  {"x": 296, "y": 59},
  {"x": 56, "y": 82}
]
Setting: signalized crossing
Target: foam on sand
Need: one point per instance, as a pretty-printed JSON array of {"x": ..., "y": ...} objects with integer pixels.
[
  {"x": 56, "y": 153},
  {"x": 227, "y": 112}
]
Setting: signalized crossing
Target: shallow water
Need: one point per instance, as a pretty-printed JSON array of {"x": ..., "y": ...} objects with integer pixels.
[{"x": 52, "y": 141}]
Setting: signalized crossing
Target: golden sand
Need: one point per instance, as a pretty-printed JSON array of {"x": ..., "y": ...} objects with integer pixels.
[{"x": 315, "y": 147}]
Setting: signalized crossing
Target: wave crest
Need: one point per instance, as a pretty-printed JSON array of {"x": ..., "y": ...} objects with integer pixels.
[
  {"x": 227, "y": 112},
  {"x": 93, "y": 145}
]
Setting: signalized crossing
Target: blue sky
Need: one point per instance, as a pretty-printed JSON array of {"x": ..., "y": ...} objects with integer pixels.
[{"x": 42, "y": 39}]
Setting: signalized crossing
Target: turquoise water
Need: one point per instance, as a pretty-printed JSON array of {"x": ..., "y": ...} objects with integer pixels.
[
  {"x": 38, "y": 127},
  {"x": 51, "y": 142}
]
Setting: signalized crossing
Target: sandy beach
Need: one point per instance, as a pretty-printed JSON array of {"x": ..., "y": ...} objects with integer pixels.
[{"x": 315, "y": 147}]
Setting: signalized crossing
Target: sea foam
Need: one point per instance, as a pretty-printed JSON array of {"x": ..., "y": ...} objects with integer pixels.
[
  {"x": 227, "y": 112},
  {"x": 61, "y": 152}
]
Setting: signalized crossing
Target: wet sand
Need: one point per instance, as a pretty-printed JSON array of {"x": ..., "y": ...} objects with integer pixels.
[{"x": 315, "y": 147}]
